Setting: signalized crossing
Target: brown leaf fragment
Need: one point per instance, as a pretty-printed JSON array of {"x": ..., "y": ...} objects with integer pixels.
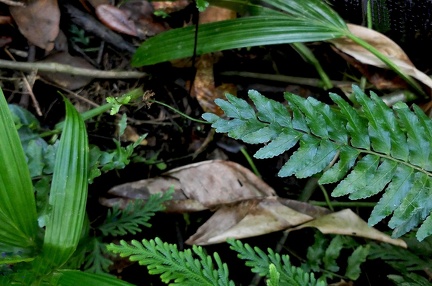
[
  {"x": 38, "y": 22},
  {"x": 116, "y": 19},
  {"x": 199, "y": 186},
  {"x": 246, "y": 219},
  {"x": 383, "y": 44},
  {"x": 65, "y": 80},
  {"x": 346, "y": 222}
]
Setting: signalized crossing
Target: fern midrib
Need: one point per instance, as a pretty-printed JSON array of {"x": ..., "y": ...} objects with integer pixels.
[{"x": 365, "y": 151}]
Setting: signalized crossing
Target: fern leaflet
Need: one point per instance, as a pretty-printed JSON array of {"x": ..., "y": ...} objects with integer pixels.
[
  {"x": 180, "y": 267},
  {"x": 135, "y": 214},
  {"x": 373, "y": 149},
  {"x": 260, "y": 263}
]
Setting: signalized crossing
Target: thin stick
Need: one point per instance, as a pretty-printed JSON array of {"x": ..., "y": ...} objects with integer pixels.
[{"x": 61, "y": 68}]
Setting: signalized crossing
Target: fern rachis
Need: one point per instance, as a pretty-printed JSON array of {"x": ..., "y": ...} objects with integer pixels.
[{"x": 374, "y": 148}]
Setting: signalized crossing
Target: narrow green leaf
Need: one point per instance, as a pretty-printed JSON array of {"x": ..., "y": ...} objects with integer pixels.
[
  {"x": 302, "y": 158},
  {"x": 283, "y": 142},
  {"x": 415, "y": 206},
  {"x": 399, "y": 145},
  {"x": 231, "y": 34},
  {"x": 75, "y": 277},
  {"x": 270, "y": 110},
  {"x": 68, "y": 191},
  {"x": 380, "y": 138},
  {"x": 395, "y": 193},
  {"x": 377, "y": 183},
  {"x": 359, "y": 178},
  {"x": 17, "y": 203},
  {"x": 419, "y": 146},
  {"x": 356, "y": 125},
  {"x": 358, "y": 256},
  {"x": 425, "y": 229},
  {"x": 348, "y": 156}
]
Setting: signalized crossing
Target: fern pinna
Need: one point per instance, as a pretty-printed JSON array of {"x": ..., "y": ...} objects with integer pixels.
[{"x": 368, "y": 150}]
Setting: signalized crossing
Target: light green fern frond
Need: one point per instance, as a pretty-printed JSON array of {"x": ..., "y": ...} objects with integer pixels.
[
  {"x": 174, "y": 266},
  {"x": 134, "y": 215},
  {"x": 375, "y": 148},
  {"x": 260, "y": 263}
]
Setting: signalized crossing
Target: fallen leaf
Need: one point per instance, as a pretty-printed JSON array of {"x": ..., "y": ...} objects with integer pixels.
[
  {"x": 346, "y": 222},
  {"x": 65, "y": 80},
  {"x": 199, "y": 186},
  {"x": 246, "y": 219},
  {"x": 115, "y": 19},
  {"x": 38, "y": 22},
  {"x": 385, "y": 45}
]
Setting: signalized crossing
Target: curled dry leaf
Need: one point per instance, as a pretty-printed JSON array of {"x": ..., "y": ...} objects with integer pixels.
[
  {"x": 346, "y": 222},
  {"x": 38, "y": 22},
  {"x": 116, "y": 19},
  {"x": 385, "y": 45},
  {"x": 200, "y": 186}
]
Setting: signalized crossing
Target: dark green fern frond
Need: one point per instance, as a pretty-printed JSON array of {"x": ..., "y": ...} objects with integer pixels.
[
  {"x": 369, "y": 150},
  {"x": 260, "y": 263},
  {"x": 134, "y": 215},
  {"x": 174, "y": 266}
]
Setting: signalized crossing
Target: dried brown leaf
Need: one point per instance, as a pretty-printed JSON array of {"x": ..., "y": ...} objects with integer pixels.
[
  {"x": 200, "y": 186},
  {"x": 116, "y": 19},
  {"x": 246, "y": 219},
  {"x": 346, "y": 222},
  {"x": 38, "y": 22},
  {"x": 385, "y": 45}
]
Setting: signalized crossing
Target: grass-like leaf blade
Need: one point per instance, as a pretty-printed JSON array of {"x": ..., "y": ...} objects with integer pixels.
[{"x": 17, "y": 203}]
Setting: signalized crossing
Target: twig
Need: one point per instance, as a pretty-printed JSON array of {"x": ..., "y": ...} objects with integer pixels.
[{"x": 61, "y": 68}]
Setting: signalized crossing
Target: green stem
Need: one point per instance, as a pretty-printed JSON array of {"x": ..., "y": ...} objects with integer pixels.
[
  {"x": 326, "y": 197},
  {"x": 179, "y": 112},
  {"x": 388, "y": 62},
  {"x": 309, "y": 57},
  {"x": 344, "y": 204},
  {"x": 250, "y": 161}
]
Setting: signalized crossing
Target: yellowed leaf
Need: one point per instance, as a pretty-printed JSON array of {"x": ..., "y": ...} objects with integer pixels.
[
  {"x": 385, "y": 45},
  {"x": 346, "y": 222}
]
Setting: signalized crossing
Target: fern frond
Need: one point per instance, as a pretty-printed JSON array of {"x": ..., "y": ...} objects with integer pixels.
[
  {"x": 373, "y": 149},
  {"x": 97, "y": 261},
  {"x": 135, "y": 214},
  {"x": 174, "y": 266},
  {"x": 260, "y": 263}
]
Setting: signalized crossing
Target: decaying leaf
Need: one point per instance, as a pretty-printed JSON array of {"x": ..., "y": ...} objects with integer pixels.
[
  {"x": 246, "y": 219},
  {"x": 385, "y": 45},
  {"x": 38, "y": 21},
  {"x": 67, "y": 80},
  {"x": 346, "y": 222},
  {"x": 200, "y": 186},
  {"x": 244, "y": 205},
  {"x": 116, "y": 19}
]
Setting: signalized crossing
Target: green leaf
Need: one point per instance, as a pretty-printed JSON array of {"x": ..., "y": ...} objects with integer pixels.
[
  {"x": 359, "y": 256},
  {"x": 231, "y": 34},
  {"x": 68, "y": 193},
  {"x": 17, "y": 203},
  {"x": 75, "y": 277},
  {"x": 380, "y": 149}
]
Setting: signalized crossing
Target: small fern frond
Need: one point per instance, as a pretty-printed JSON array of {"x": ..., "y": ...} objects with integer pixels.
[
  {"x": 174, "y": 266},
  {"x": 367, "y": 150},
  {"x": 260, "y": 263},
  {"x": 136, "y": 214}
]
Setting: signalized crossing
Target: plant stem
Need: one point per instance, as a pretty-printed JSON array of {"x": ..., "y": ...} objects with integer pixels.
[
  {"x": 250, "y": 161},
  {"x": 179, "y": 112},
  {"x": 388, "y": 62},
  {"x": 344, "y": 204}
]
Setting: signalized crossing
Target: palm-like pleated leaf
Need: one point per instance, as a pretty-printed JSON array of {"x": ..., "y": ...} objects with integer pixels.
[
  {"x": 372, "y": 149},
  {"x": 17, "y": 205}
]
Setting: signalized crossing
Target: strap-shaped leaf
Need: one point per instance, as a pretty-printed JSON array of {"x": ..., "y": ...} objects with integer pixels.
[
  {"x": 367, "y": 150},
  {"x": 74, "y": 277},
  {"x": 68, "y": 193},
  {"x": 17, "y": 205}
]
